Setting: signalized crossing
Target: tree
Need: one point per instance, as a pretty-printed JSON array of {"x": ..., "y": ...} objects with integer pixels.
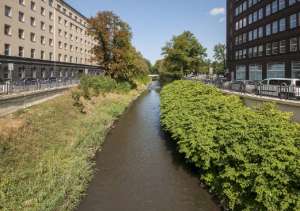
[
  {"x": 149, "y": 65},
  {"x": 220, "y": 55},
  {"x": 156, "y": 66},
  {"x": 113, "y": 37},
  {"x": 182, "y": 54}
]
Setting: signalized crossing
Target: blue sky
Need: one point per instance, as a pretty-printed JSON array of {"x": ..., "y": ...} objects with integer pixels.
[{"x": 155, "y": 22}]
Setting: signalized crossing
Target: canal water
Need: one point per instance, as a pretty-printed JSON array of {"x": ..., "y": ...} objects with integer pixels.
[{"x": 139, "y": 167}]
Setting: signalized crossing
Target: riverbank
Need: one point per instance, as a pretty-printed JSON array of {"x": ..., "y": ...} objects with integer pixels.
[{"x": 47, "y": 150}]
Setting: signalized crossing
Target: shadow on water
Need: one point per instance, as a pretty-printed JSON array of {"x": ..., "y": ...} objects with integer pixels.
[{"x": 140, "y": 168}]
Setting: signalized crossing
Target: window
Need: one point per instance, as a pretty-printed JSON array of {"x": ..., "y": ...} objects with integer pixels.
[
  {"x": 268, "y": 10},
  {"x": 42, "y": 11},
  {"x": 244, "y": 37},
  {"x": 42, "y": 40},
  {"x": 274, "y": 48},
  {"x": 255, "y": 51},
  {"x": 43, "y": 72},
  {"x": 260, "y": 14},
  {"x": 59, "y": 57},
  {"x": 281, "y": 4},
  {"x": 268, "y": 49},
  {"x": 66, "y": 46},
  {"x": 21, "y": 52},
  {"x": 64, "y": 11},
  {"x": 293, "y": 46},
  {"x": 282, "y": 24},
  {"x": 71, "y": 25},
  {"x": 71, "y": 47},
  {"x": 275, "y": 70},
  {"x": 42, "y": 55},
  {"x": 244, "y": 22},
  {"x": 59, "y": 32},
  {"x": 241, "y": 72},
  {"x": 240, "y": 8},
  {"x": 249, "y": 3},
  {"x": 22, "y": 2},
  {"x": 7, "y": 11},
  {"x": 7, "y": 29},
  {"x": 293, "y": 21},
  {"x": 255, "y": 72},
  {"x": 236, "y": 40},
  {"x": 6, "y": 75},
  {"x": 59, "y": 19},
  {"x": 21, "y": 72},
  {"x": 42, "y": 25},
  {"x": 250, "y": 53},
  {"x": 282, "y": 46},
  {"x": 50, "y": 42},
  {"x": 51, "y": 3},
  {"x": 250, "y": 36},
  {"x": 254, "y": 34},
  {"x": 51, "y": 29},
  {"x": 32, "y": 6},
  {"x": 292, "y": 2},
  {"x": 244, "y": 53},
  {"x": 32, "y": 53},
  {"x": 58, "y": 7},
  {"x": 75, "y": 18},
  {"x": 7, "y": 49},
  {"x": 260, "y": 50},
  {"x": 32, "y": 21},
  {"x": 21, "y": 33},
  {"x": 80, "y": 21},
  {"x": 240, "y": 24},
  {"x": 59, "y": 44},
  {"x": 244, "y": 6},
  {"x": 32, "y": 37},
  {"x": 66, "y": 58},
  {"x": 50, "y": 57},
  {"x": 32, "y": 72},
  {"x": 236, "y": 25},
  {"x": 71, "y": 37},
  {"x": 21, "y": 16},
  {"x": 274, "y": 6},
  {"x": 236, "y": 55},
  {"x": 66, "y": 35},
  {"x": 50, "y": 15},
  {"x": 236, "y": 11},
  {"x": 241, "y": 54},
  {"x": 268, "y": 29},
  {"x": 260, "y": 32},
  {"x": 275, "y": 27},
  {"x": 254, "y": 16},
  {"x": 70, "y": 15},
  {"x": 71, "y": 59},
  {"x": 66, "y": 23}
]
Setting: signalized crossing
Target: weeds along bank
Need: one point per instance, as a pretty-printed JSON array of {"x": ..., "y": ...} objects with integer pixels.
[
  {"x": 249, "y": 157},
  {"x": 46, "y": 151}
]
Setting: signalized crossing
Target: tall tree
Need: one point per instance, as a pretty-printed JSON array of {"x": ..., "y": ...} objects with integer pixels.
[
  {"x": 220, "y": 55},
  {"x": 156, "y": 66},
  {"x": 113, "y": 37},
  {"x": 182, "y": 54},
  {"x": 149, "y": 65}
]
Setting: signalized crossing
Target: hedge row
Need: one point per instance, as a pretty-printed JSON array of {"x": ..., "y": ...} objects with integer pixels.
[{"x": 250, "y": 157}]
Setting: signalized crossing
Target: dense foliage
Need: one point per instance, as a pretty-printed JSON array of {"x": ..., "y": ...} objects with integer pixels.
[{"x": 250, "y": 157}]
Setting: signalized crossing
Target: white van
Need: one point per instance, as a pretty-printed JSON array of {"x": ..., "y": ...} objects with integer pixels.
[{"x": 281, "y": 87}]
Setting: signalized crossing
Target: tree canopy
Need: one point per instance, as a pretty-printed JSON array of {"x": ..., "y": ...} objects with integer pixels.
[{"x": 220, "y": 56}]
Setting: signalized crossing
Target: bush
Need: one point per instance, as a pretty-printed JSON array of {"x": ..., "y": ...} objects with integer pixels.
[
  {"x": 250, "y": 157},
  {"x": 143, "y": 78},
  {"x": 123, "y": 87},
  {"x": 97, "y": 84}
]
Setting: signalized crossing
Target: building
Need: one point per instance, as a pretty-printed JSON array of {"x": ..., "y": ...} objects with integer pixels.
[
  {"x": 263, "y": 39},
  {"x": 43, "y": 38}
]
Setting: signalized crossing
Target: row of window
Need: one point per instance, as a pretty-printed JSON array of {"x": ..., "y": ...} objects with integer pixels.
[
  {"x": 275, "y": 5},
  {"x": 271, "y": 48},
  {"x": 42, "y": 55},
  {"x": 271, "y": 28},
  {"x": 33, "y": 7}
]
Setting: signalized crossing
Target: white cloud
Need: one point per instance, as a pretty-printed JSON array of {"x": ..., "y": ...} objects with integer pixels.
[
  {"x": 217, "y": 11},
  {"x": 222, "y": 19}
]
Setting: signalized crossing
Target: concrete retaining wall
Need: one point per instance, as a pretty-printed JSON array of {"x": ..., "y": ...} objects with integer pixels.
[
  {"x": 12, "y": 103},
  {"x": 284, "y": 105}
]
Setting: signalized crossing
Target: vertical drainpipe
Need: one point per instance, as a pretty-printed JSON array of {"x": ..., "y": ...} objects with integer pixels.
[{"x": 54, "y": 40}]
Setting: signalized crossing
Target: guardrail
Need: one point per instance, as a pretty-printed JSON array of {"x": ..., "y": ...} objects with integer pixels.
[
  {"x": 9, "y": 88},
  {"x": 282, "y": 91}
]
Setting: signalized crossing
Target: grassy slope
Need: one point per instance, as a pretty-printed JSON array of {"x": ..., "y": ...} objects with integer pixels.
[{"x": 46, "y": 151}]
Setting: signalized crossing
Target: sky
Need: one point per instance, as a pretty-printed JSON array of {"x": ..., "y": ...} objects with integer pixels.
[{"x": 154, "y": 22}]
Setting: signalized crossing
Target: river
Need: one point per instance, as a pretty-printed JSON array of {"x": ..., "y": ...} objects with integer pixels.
[{"x": 139, "y": 167}]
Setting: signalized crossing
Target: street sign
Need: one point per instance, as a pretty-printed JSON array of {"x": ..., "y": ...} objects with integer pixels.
[
  {"x": 10, "y": 66},
  {"x": 227, "y": 70}
]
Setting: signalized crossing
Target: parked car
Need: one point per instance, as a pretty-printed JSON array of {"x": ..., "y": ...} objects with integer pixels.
[
  {"x": 26, "y": 81},
  {"x": 243, "y": 86},
  {"x": 64, "y": 78},
  {"x": 48, "y": 80},
  {"x": 281, "y": 87},
  {"x": 222, "y": 83}
]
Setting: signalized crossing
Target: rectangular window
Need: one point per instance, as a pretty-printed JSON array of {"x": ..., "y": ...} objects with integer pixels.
[
  {"x": 32, "y": 6},
  {"x": 59, "y": 32},
  {"x": 282, "y": 46},
  {"x": 245, "y": 6},
  {"x": 51, "y": 3},
  {"x": 59, "y": 57},
  {"x": 250, "y": 53},
  {"x": 7, "y": 49},
  {"x": 240, "y": 8},
  {"x": 42, "y": 25},
  {"x": 255, "y": 51},
  {"x": 50, "y": 15},
  {"x": 21, "y": 33},
  {"x": 241, "y": 54},
  {"x": 268, "y": 29},
  {"x": 293, "y": 44},
  {"x": 244, "y": 53},
  {"x": 274, "y": 48},
  {"x": 240, "y": 40},
  {"x": 32, "y": 37},
  {"x": 260, "y": 32},
  {"x": 32, "y": 53},
  {"x": 64, "y": 11},
  {"x": 59, "y": 44},
  {"x": 241, "y": 23},
  {"x": 254, "y": 34},
  {"x": 281, "y": 4},
  {"x": 254, "y": 16},
  {"x": 21, "y": 52},
  {"x": 51, "y": 29},
  {"x": 275, "y": 27},
  {"x": 282, "y": 24},
  {"x": 236, "y": 55},
  {"x": 42, "y": 11},
  {"x": 32, "y": 21},
  {"x": 244, "y": 37},
  {"x": 244, "y": 22},
  {"x": 260, "y": 14},
  {"x": 293, "y": 23},
  {"x": 50, "y": 56},
  {"x": 22, "y": 2},
  {"x": 66, "y": 46},
  {"x": 250, "y": 36},
  {"x": 58, "y": 7},
  {"x": 7, "y": 30},
  {"x": 236, "y": 40},
  {"x": 260, "y": 50},
  {"x": 70, "y": 15},
  {"x": 7, "y": 11},
  {"x": 21, "y": 16},
  {"x": 274, "y": 6},
  {"x": 43, "y": 40},
  {"x": 268, "y": 10},
  {"x": 268, "y": 49},
  {"x": 249, "y": 3},
  {"x": 292, "y": 2},
  {"x": 50, "y": 42}
]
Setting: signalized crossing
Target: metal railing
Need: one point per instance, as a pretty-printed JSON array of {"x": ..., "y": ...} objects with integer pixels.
[{"x": 9, "y": 88}]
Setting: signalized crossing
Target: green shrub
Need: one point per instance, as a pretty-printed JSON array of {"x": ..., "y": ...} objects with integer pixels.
[
  {"x": 250, "y": 157},
  {"x": 143, "y": 78},
  {"x": 123, "y": 87}
]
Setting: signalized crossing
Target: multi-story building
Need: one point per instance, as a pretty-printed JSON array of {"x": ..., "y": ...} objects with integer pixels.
[
  {"x": 263, "y": 39},
  {"x": 44, "y": 38}
]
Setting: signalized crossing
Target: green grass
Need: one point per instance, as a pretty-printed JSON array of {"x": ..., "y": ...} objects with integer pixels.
[{"x": 46, "y": 151}]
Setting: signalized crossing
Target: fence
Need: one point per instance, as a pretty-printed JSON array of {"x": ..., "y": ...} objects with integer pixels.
[
  {"x": 9, "y": 88},
  {"x": 279, "y": 91}
]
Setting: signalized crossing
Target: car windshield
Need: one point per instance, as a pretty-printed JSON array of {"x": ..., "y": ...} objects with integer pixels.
[
  {"x": 45, "y": 78},
  {"x": 250, "y": 83}
]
